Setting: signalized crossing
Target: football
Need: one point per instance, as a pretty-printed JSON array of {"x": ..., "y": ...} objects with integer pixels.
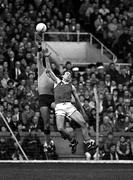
[{"x": 41, "y": 27}]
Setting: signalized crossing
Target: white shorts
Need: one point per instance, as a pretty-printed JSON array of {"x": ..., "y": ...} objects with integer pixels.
[{"x": 64, "y": 109}]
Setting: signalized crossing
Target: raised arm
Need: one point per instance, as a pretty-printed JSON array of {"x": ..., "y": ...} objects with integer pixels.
[
  {"x": 78, "y": 101},
  {"x": 52, "y": 60},
  {"x": 40, "y": 66},
  {"x": 49, "y": 70}
]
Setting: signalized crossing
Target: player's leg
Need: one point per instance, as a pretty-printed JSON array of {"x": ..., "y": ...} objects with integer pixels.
[
  {"x": 60, "y": 120},
  {"x": 45, "y": 104},
  {"x": 45, "y": 114},
  {"x": 77, "y": 117}
]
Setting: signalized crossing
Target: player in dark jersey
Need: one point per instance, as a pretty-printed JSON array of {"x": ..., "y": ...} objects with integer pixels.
[
  {"x": 63, "y": 89},
  {"x": 46, "y": 92}
]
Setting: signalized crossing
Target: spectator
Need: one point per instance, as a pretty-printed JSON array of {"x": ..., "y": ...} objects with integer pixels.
[
  {"x": 99, "y": 25},
  {"x": 32, "y": 146},
  {"x": 108, "y": 101},
  {"x": 17, "y": 113},
  {"x": 112, "y": 154},
  {"x": 83, "y": 9},
  {"x": 108, "y": 81},
  {"x": 14, "y": 124},
  {"x": 113, "y": 72},
  {"x": 91, "y": 154},
  {"x": 115, "y": 95},
  {"x": 123, "y": 149},
  {"x": 4, "y": 80},
  {"x": 104, "y": 10},
  {"x": 75, "y": 73},
  {"x": 10, "y": 96},
  {"x": 101, "y": 149},
  {"x": 106, "y": 126},
  {"x": 129, "y": 126},
  {"x": 86, "y": 74},
  {"x": 4, "y": 151},
  {"x": 36, "y": 124},
  {"x": 120, "y": 90},
  {"x": 92, "y": 119},
  {"x": 120, "y": 118},
  {"x": 129, "y": 141},
  {"x": 17, "y": 71},
  {"x": 108, "y": 141},
  {"x": 27, "y": 114},
  {"x": 11, "y": 62},
  {"x": 86, "y": 107}
]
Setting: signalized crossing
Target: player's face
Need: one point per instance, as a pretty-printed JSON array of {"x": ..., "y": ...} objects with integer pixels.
[{"x": 67, "y": 76}]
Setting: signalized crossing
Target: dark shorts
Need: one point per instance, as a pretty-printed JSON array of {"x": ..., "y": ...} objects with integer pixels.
[{"x": 46, "y": 100}]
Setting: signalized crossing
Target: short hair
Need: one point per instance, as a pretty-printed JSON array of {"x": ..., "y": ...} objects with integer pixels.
[
  {"x": 115, "y": 89},
  {"x": 112, "y": 144},
  {"x": 67, "y": 71},
  {"x": 68, "y": 62},
  {"x": 16, "y": 106},
  {"x": 110, "y": 133},
  {"x": 10, "y": 81},
  {"x": 10, "y": 89}
]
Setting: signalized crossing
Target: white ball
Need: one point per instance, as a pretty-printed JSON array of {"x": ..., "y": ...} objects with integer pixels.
[{"x": 41, "y": 27}]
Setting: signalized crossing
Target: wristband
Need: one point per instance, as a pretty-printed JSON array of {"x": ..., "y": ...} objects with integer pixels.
[{"x": 47, "y": 55}]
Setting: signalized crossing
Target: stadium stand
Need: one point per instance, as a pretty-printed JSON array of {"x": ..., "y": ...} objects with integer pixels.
[{"x": 18, "y": 72}]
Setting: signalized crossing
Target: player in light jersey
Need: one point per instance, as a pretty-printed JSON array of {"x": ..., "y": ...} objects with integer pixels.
[
  {"x": 63, "y": 89},
  {"x": 46, "y": 92}
]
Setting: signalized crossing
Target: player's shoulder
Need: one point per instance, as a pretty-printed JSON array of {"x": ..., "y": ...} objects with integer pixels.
[{"x": 58, "y": 81}]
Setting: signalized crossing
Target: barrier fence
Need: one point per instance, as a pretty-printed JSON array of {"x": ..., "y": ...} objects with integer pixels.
[{"x": 78, "y": 37}]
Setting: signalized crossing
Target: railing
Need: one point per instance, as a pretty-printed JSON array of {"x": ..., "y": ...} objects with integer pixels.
[
  {"x": 79, "y": 37},
  {"x": 103, "y": 48}
]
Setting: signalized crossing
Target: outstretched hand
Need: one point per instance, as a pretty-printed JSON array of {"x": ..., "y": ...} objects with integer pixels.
[
  {"x": 38, "y": 39},
  {"x": 38, "y": 46},
  {"x": 46, "y": 52}
]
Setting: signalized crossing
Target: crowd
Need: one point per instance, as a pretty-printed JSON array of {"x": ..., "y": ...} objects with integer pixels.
[
  {"x": 115, "y": 89},
  {"x": 112, "y": 149},
  {"x": 18, "y": 72},
  {"x": 111, "y": 22}
]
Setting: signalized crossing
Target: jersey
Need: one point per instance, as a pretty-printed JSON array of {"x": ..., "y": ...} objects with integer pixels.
[{"x": 62, "y": 92}]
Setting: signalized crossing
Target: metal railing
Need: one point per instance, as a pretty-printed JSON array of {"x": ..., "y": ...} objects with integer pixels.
[
  {"x": 79, "y": 37},
  {"x": 103, "y": 48}
]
